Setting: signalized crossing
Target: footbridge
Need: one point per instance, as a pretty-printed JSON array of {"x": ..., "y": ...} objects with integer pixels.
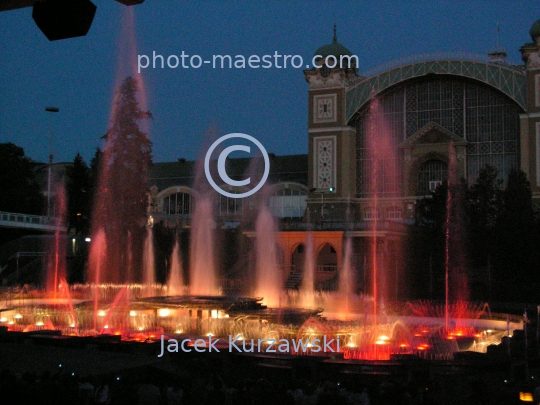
[{"x": 34, "y": 222}]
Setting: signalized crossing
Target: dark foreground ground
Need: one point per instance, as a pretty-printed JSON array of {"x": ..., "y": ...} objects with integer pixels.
[{"x": 38, "y": 369}]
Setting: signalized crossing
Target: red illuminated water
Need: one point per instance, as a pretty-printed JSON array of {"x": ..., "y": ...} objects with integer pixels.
[
  {"x": 456, "y": 281},
  {"x": 269, "y": 280},
  {"x": 383, "y": 186},
  {"x": 113, "y": 208},
  {"x": 121, "y": 297},
  {"x": 149, "y": 267},
  {"x": 176, "y": 275},
  {"x": 96, "y": 260},
  {"x": 64, "y": 292},
  {"x": 56, "y": 263},
  {"x": 117, "y": 243},
  {"x": 346, "y": 279},
  {"x": 307, "y": 287},
  {"x": 203, "y": 277}
]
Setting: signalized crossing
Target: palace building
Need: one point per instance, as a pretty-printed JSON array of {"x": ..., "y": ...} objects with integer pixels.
[{"x": 435, "y": 113}]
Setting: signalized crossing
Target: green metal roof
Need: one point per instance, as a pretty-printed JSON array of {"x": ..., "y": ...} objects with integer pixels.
[
  {"x": 535, "y": 30},
  {"x": 335, "y": 48},
  {"x": 509, "y": 80}
]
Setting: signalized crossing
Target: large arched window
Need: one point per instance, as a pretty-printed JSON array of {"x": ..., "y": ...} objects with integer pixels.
[
  {"x": 178, "y": 204},
  {"x": 288, "y": 200},
  {"x": 431, "y": 175},
  {"x": 232, "y": 206},
  {"x": 484, "y": 117},
  {"x": 327, "y": 259}
]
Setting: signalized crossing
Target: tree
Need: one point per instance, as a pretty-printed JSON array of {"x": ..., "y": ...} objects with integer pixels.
[
  {"x": 485, "y": 199},
  {"x": 516, "y": 239},
  {"x": 19, "y": 190},
  {"x": 78, "y": 193},
  {"x": 95, "y": 164},
  {"x": 121, "y": 202},
  {"x": 495, "y": 231},
  {"x": 94, "y": 168},
  {"x": 443, "y": 211}
]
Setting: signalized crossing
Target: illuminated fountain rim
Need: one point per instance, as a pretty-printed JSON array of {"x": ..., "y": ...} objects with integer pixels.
[{"x": 227, "y": 303}]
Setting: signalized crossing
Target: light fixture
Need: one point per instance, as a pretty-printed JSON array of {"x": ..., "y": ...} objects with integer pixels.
[{"x": 61, "y": 19}]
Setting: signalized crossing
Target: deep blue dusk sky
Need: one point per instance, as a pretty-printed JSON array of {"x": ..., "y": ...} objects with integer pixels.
[{"x": 78, "y": 75}]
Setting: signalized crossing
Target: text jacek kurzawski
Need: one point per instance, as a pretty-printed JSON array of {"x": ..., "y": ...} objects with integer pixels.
[{"x": 239, "y": 345}]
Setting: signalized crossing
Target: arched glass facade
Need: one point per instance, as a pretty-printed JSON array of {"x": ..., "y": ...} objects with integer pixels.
[
  {"x": 178, "y": 204},
  {"x": 487, "y": 119},
  {"x": 431, "y": 175},
  {"x": 288, "y": 201}
]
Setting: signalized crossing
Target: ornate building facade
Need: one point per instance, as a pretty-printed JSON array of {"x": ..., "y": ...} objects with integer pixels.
[{"x": 431, "y": 116}]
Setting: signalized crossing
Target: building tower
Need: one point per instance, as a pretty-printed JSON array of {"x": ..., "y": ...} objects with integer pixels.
[
  {"x": 331, "y": 150},
  {"x": 530, "y": 120}
]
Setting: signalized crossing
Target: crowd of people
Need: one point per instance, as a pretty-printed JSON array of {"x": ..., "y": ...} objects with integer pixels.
[
  {"x": 147, "y": 388},
  {"x": 207, "y": 386}
]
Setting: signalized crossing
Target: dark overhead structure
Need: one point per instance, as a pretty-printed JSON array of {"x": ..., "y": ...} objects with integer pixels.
[
  {"x": 60, "y": 19},
  {"x": 130, "y": 2}
]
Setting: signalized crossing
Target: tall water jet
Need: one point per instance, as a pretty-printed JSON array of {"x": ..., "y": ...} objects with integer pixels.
[
  {"x": 126, "y": 157},
  {"x": 455, "y": 277},
  {"x": 269, "y": 280},
  {"x": 121, "y": 201},
  {"x": 123, "y": 295},
  {"x": 64, "y": 291},
  {"x": 56, "y": 263},
  {"x": 96, "y": 260},
  {"x": 346, "y": 279},
  {"x": 129, "y": 270},
  {"x": 176, "y": 275},
  {"x": 202, "y": 271},
  {"x": 149, "y": 269},
  {"x": 379, "y": 150},
  {"x": 307, "y": 288}
]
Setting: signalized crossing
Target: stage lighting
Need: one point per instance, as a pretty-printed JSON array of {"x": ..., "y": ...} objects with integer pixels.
[{"x": 60, "y": 19}]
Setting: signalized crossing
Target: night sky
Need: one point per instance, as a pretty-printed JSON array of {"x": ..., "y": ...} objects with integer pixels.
[{"x": 79, "y": 75}]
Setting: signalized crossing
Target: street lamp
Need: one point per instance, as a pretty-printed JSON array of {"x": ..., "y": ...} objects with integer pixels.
[{"x": 51, "y": 110}]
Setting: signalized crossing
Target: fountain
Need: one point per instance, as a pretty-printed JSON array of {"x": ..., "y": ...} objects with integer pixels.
[
  {"x": 96, "y": 260},
  {"x": 202, "y": 272},
  {"x": 56, "y": 260},
  {"x": 307, "y": 288},
  {"x": 346, "y": 280},
  {"x": 176, "y": 273},
  {"x": 112, "y": 303},
  {"x": 269, "y": 280},
  {"x": 149, "y": 267}
]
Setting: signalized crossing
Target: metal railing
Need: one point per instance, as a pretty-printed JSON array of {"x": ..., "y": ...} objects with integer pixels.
[
  {"x": 382, "y": 225},
  {"x": 12, "y": 219}
]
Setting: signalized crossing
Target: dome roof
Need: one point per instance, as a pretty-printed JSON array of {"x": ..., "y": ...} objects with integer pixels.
[
  {"x": 535, "y": 30},
  {"x": 335, "y": 48}
]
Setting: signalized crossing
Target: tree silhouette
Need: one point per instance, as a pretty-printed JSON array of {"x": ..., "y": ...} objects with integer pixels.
[
  {"x": 121, "y": 204},
  {"x": 78, "y": 193},
  {"x": 19, "y": 190}
]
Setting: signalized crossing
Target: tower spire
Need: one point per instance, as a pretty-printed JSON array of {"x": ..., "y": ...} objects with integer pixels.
[
  {"x": 498, "y": 53},
  {"x": 335, "y": 34}
]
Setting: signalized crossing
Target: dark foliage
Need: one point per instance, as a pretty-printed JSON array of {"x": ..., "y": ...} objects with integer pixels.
[{"x": 19, "y": 191}]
